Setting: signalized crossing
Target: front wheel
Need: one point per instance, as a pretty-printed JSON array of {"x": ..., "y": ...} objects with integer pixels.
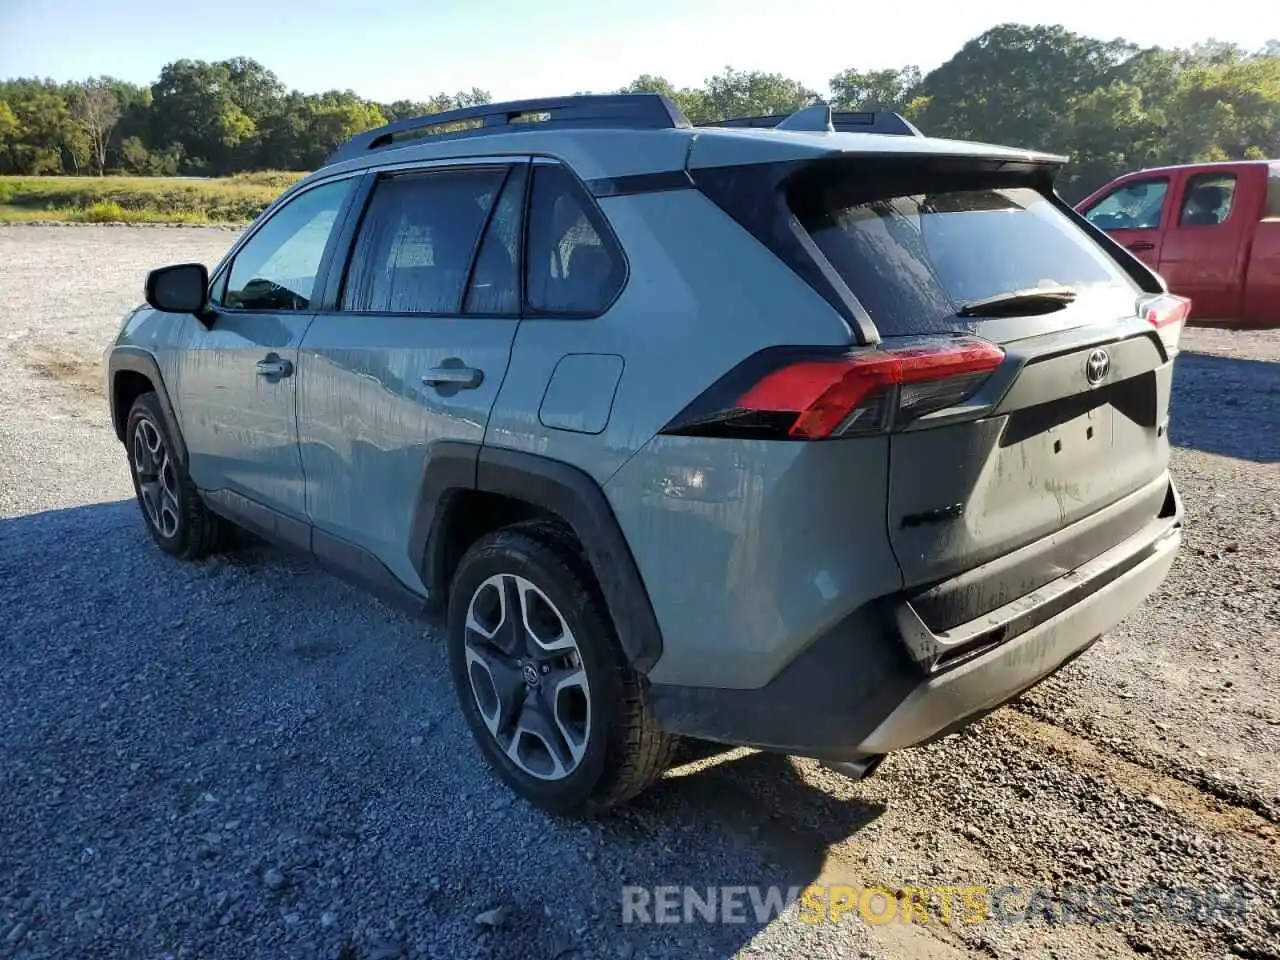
[
  {"x": 542, "y": 680},
  {"x": 176, "y": 517}
]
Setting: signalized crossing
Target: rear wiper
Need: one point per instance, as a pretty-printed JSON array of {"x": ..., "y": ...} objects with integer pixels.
[{"x": 1031, "y": 300}]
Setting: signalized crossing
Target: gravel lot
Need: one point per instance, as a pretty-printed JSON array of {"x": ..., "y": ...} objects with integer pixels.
[{"x": 245, "y": 758}]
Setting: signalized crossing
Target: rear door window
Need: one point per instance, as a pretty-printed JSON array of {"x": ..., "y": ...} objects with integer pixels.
[
  {"x": 417, "y": 240},
  {"x": 1207, "y": 199},
  {"x": 1272, "y": 211},
  {"x": 914, "y": 257}
]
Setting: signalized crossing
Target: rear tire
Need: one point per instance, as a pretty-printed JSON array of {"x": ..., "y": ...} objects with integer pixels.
[
  {"x": 176, "y": 517},
  {"x": 548, "y": 694}
]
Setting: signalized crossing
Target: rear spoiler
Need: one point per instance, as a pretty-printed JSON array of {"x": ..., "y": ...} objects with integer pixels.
[{"x": 820, "y": 117}]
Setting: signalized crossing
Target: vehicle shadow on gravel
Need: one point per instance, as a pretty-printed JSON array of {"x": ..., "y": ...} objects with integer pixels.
[
  {"x": 1227, "y": 406},
  {"x": 245, "y": 750},
  {"x": 758, "y": 804}
]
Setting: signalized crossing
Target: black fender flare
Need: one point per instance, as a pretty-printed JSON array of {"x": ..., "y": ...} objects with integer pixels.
[
  {"x": 552, "y": 486},
  {"x": 138, "y": 360}
]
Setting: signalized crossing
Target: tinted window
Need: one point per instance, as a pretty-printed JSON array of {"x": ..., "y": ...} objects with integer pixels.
[
  {"x": 276, "y": 268},
  {"x": 573, "y": 265},
  {"x": 1207, "y": 199},
  {"x": 416, "y": 241},
  {"x": 495, "y": 281},
  {"x": 913, "y": 259},
  {"x": 1135, "y": 206}
]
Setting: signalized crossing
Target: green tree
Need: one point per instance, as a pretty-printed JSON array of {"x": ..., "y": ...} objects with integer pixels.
[
  {"x": 854, "y": 89},
  {"x": 45, "y": 129},
  {"x": 1110, "y": 131},
  {"x": 134, "y": 155},
  {"x": 1013, "y": 84},
  {"x": 747, "y": 93},
  {"x": 1108, "y": 105},
  {"x": 194, "y": 103},
  {"x": 8, "y": 122},
  {"x": 327, "y": 121},
  {"x": 1227, "y": 111},
  {"x": 693, "y": 103}
]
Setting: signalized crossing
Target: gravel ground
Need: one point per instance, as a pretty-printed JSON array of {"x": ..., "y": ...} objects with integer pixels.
[{"x": 245, "y": 758}]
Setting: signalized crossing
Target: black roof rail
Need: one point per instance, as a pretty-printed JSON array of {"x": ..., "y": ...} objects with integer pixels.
[
  {"x": 841, "y": 122},
  {"x": 633, "y": 111}
]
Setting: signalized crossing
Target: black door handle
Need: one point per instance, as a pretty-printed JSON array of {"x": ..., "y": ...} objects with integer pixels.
[{"x": 1141, "y": 245}]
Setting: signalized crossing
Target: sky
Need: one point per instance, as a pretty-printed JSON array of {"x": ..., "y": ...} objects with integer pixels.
[{"x": 397, "y": 49}]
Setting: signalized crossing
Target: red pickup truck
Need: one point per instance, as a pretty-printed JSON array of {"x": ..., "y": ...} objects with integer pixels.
[{"x": 1212, "y": 230}]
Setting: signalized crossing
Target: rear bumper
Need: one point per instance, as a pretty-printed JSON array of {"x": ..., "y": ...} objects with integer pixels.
[
  {"x": 989, "y": 679},
  {"x": 881, "y": 681}
]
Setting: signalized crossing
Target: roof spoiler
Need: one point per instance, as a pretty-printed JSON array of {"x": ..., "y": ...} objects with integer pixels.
[
  {"x": 629, "y": 111},
  {"x": 821, "y": 118}
]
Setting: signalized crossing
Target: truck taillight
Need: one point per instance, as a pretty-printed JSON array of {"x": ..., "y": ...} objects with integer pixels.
[
  {"x": 812, "y": 396},
  {"x": 1168, "y": 313}
]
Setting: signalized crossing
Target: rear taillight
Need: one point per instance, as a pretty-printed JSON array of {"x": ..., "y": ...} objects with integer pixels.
[
  {"x": 785, "y": 394},
  {"x": 1168, "y": 314}
]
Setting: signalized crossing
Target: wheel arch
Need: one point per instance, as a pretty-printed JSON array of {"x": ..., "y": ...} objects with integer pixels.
[
  {"x": 463, "y": 481},
  {"x": 132, "y": 371}
]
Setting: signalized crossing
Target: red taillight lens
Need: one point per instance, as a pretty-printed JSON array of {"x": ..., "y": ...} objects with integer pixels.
[
  {"x": 1167, "y": 313},
  {"x": 816, "y": 398}
]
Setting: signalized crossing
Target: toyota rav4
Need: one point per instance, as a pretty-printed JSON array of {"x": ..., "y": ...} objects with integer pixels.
[{"x": 811, "y": 434}]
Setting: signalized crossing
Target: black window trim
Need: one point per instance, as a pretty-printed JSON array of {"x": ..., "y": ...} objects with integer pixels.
[
  {"x": 599, "y": 222},
  {"x": 344, "y": 235},
  {"x": 515, "y": 170},
  {"x": 1186, "y": 194},
  {"x": 1161, "y": 178},
  {"x": 332, "y": 303},
  {"x": 222, "y": 274}
]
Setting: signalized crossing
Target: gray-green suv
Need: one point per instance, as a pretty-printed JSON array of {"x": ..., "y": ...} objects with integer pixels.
[{"x": 811, "y": 433}]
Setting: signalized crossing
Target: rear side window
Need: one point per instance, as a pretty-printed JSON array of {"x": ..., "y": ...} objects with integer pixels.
[
  {"x": 416, "y": 241},
  {"x": 1135, "y": 206},
  {"x": 574, "y": 267},
  {"x": 1207, "y": 199},
  {"x": 1273, "y": 193},
  {"x": 914, "y": 257}
]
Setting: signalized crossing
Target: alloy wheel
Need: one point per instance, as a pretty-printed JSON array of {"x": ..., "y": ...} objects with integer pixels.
[
  {"x": 157, "y": 480},
  {"x": 527, "y": 676}
]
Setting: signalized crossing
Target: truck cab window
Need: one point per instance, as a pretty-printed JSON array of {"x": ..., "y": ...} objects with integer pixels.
[{"x": 1207, "y": 200}]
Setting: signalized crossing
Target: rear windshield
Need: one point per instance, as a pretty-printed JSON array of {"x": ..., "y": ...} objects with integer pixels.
[{"x": 914, "y": 259}]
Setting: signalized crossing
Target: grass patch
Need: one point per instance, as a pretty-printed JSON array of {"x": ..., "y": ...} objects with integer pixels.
[
  {"x": 96, "y": 214},
  {"x": 235, "y": 199}
]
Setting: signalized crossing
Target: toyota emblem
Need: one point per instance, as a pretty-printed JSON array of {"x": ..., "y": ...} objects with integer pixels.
[{"x": 1097, "y": 367}]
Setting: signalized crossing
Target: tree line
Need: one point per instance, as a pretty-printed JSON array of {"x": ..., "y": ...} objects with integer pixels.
[{"x": 1108, "y": 104}]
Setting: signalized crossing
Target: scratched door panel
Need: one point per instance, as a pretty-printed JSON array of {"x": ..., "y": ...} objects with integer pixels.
[{"x": 238, "y": 379}]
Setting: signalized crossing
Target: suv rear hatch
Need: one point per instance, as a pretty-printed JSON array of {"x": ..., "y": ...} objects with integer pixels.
[{"x": 1057, "y": 442}]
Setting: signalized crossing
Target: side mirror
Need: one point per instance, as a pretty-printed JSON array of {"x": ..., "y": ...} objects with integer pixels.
[{"x": 181, "y": 288}]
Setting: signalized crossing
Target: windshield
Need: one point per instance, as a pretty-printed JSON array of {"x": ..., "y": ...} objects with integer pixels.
[{"x": 916, "y": 259}]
